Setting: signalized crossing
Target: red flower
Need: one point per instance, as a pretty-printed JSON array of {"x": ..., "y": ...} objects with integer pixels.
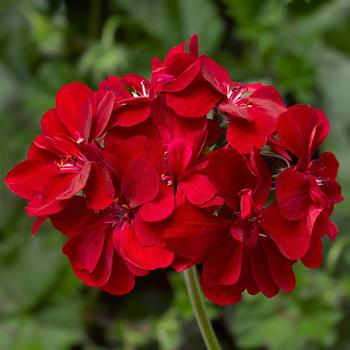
[
  {"x": 242, "y": 233},
  {"x": 179, "y": 76},
  {"x": 309, "y": 182},
  {"x": 130, "y": 108},
  {"x": 138, "y": 177},
  {"x": 252, "y": 109},
  {"x": 66, "y": 158},
  {"x": 106, "y": 240}
]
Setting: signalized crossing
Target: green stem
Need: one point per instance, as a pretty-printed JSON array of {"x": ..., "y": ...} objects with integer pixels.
[{"x": 199, "y": 309}]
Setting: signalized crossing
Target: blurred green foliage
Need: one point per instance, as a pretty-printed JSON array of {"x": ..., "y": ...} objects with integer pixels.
[{"x": 300, "y": 46}]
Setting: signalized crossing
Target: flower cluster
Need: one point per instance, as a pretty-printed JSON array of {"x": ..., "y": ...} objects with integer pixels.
[{"x": 186, "y": 168}]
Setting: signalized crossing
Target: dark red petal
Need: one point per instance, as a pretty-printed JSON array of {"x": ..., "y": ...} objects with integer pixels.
[
  {"x": 313, "y": 257},
  {"x": 74, "y": 217},
  {"x": 195, "y": 101},
  {"x": 121, "y": 280},
  {"x": 28, "y": 178},
  {"x": 99, "y": 190},
  {"x": 291, "y": 237},
  {"x": 192, "y": 232},
  {"x": 69, "y": 101},
  {"x": 198, "y": 189},
  {"x": 281, "y": 268},
  {"x": 37, "y": 224},
  {"x": 85, "y": 122},
  {"x": 222, "y": 295},
  {"x": 71, "y": 184},
  {"x": 261, "y": 272},
  {"x": 227, "y": 269},
  {"x": 149, "y": 233},
  {"x": 179, "y": 157},
  {"x": 293, "y": 194},
  {"x": 147, "y": 258},
  {"x": 301, "y": 129},
  {"x": 51, "y": 124},
  {"x": 269, "y": 99},
  {"x": 329, "y": 165},
  {"x": 228, "y": 171},
  {"x": 140, "y": 183},
  {"x": 37, "y": 208},
  {"x": 131, "y": 114},
  {"x": 185, "y": 69},
  {"x": 244, "y": 135},
  {"x": 262, "y": 172},
  {"x": 193, "y": 47},
  {"x": 215, "y": 74},
  {"x": 114, "y": 84},
  {"x": 102, "y": 114},
  {"x": 102, "y": 272},
  {"x": 119, "y": 152},
  {"x": 84, "y": 249},
  {"x": 161, "y": 207}
]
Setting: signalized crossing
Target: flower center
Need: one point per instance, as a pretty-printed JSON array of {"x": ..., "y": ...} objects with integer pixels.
[
  {"x": 117, "y": 214},
  {"x": 70, "y": 164}
]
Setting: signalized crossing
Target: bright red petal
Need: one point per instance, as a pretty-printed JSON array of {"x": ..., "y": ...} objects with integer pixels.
[
  {"x": 147, "y": 258},
  {"x": 195, "y": 101},
  {"x": 140, "y": 183},
  {"x": 69, "y": 101},
  {"x": 99, "y": 190}
]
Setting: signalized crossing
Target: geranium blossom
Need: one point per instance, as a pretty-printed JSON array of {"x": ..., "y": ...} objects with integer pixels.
[{"x": 185, "y": 167}]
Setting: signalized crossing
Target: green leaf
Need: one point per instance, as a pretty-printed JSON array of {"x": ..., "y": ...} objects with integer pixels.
[{"x": 174, "y": 21}]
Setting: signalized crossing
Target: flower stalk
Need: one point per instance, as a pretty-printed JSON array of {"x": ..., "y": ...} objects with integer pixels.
[{"x": 199, "y": 309}]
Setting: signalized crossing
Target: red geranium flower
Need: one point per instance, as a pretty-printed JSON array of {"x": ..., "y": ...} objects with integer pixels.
[
  {"x": 179, "y": 76},
  {"x": 66, "y": 158},
  {"x": 139, "y": 176},
  {"x": 251, "y": 109}
]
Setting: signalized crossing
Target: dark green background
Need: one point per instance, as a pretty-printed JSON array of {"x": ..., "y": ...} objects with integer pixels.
[{"x": 302, "y": 47}]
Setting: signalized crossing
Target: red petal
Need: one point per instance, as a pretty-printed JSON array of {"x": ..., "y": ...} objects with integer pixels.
[
  {"x": 102, "y": 114},
  {"x": 192, "y": 232},
  {"x": 313, "y": 257},
  {"x": 29, "y": 177},
  {"x": 99, "y": 190},
  {"x": 121, "y": 280},
  {"x": 37, "y": 224},
  {"x": 291, "y": 237},
  {"x": 161, "y": 207},
  {"x": 194, "y": 101},
  {"x": 69, "y": 101},
  {"x": 179, "y": 157},
  {"x": 140, "y": 183},
  {"x": 293, "y": 194},
  {"x": 114, "y": 84},
  {"x": 244, "y": 135},
  {"x": 280, "y": 267},
  {"x": 102, "y": 272},
  {"x": 227, "y": 269},
  {"x": 186, "y": 69},
  {"x": 85, "y": 248},
  {"x": 222, "y": 295},
  {"x": 301, "y": 130},
  {"x": 51, "y": 124},
  {"x": 131, "y": 114},
  {"x": 216, "y": 75},
  {"x": 147, "y": 258},
  {"x": 70, "y": 184},
  {"x": 193, "y": 49},
  {"x": 222, "y": 172},
  {"x": 197, "y": 189},
  {"x": 261, "y": 272},
  {"x": 74, "y": 217}
]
